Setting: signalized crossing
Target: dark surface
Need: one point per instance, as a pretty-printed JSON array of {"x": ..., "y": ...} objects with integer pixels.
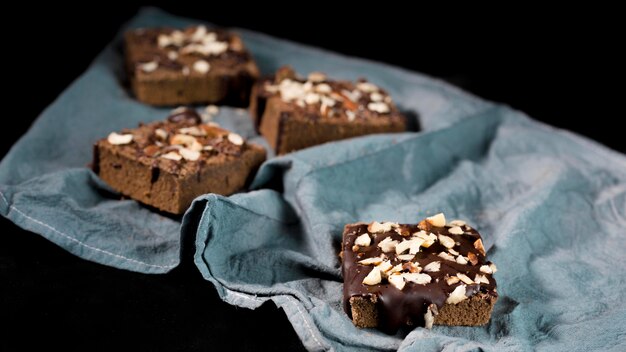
[{"x": 557, "y": 67}]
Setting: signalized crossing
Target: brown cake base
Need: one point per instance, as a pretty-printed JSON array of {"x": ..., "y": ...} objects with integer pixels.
[
  {"x": 474, "y": 311},
  {"x": 169, "y": 191},
  {"x": 287, "y": 131}
]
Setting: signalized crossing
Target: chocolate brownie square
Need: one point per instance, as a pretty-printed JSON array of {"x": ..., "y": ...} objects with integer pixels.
[
  {"x": 166, "y": 164},
  {"x": 168, "y": 66},
  {"x": 294, "y": 113},
  {"x": 399, "y": 275}
]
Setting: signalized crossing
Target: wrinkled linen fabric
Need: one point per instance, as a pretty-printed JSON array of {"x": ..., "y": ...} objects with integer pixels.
[{"x": 550, "y": 205}]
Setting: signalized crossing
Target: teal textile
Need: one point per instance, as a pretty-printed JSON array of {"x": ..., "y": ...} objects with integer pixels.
[{"x": 551, "y": 207}]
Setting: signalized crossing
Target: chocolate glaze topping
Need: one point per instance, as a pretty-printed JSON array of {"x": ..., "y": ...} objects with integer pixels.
[{"x": 397, "y": 307}]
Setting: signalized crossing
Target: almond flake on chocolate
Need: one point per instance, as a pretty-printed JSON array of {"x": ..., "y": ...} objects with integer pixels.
[
  {"x": 437, "y": 220},
  {"x": 486, "y": 269},
  {"x": 388, "y": 245},
  {"x": 377, "y": 227},
  {"x": 479, "y": 245},
  {"x": 371, "y": 261},
  {"x": 472, "y": 258},
  {"x": 452, "y": 280},
  {"x": 351, "y": 115},
  {"x": 455, "y": 230},
  {"x": 384, "y": 267},
  {"x": 429, "y": 316},
  {"x": 452, "y": 251},
  {"x": 465, "y": 278},
  {"x": 461, "y": 260},
  {"x": 397, "y": 281},
  {"x": 446, "y": 256},
  {"x": 420, "y": 279},
  {"x": 406, "y": 257},
  {"x": 432, "y": 267},
  {"x": 457, "y": 295},
  {"x": 364, "y": 240},
  {"x": 493, "y": 268},
  {"x": 481, "y": 279},
  {"x": 373, "y": 278},
  {"x": 446, "y": 241}
]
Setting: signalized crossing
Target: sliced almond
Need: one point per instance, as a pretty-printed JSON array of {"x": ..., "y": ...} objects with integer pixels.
[
  {"x": 446, "y": 256},
  {"x": 351, "y": 115},
  {"x": 161, "y": 133},
  {"x": 384, "y": 267},
  {"x": 149, "y": 66},
  {"x": 388, "y": 245},
  {"x": 235, "y": 139},
  {"x": 406, "y": 257},
  {"x": 455, "y": 230},
  {"x": 403, "y": 246},
  {"x": 311, "y": 98},
  {"x": 438, "y": 220},
  {"x": 364, "y": 240},
  {"x": 452, "y": 280},
  {"x": 373, "y": 278},
  {"x": 420, "y": 279},
  {"x": 371, "y": 261},
  {"x": 316, "y": 77},
  {"x": 376, "y": 97},
  {"x": 481, "y": 279},
  {"x": 377, "y": 227},
  {"x": 411, "y": 267},
  {"x": 201, "y": 66},
  {"x": 366, "y": 87},
  {"x": 397, "y": 280},
  {"x": 461, "y": 260},
  {"x": 379, "y": 107},
  {"x": 396, "y": 269},
  {"x": 119, "y": 139},
  {"x": 429, "y": 238},
  {"x": 189, "y": 142},
  {"x": 479, "y": 245},
  {"x": 465, "y": 278},
  {"x": 446, "y": 241},
  {"x": 486, "y": 269},
  {"x": 192, "y": 131},
  {"x": 472, "y": 258},
  {"x": 457, "y": 295},
  {"x": 429, "y": 316},
  {"x": 457, "y": 223},
  {"x": 452, "y": 251},
  {"x": 432, "y": 267},
  {"x": 188, "y": 154},
  {"x": 493, "y": 268},
  {"x": 172, "y": 156}
]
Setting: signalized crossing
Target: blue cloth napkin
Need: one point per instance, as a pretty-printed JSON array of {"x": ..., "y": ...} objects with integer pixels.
[{"x": 551, "y": 207}]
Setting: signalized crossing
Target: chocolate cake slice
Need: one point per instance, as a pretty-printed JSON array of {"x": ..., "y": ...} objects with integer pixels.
[{"x": 417, "y": 275}]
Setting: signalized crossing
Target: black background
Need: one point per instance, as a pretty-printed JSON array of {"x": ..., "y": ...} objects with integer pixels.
[{"x": 562, "y": 67}]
